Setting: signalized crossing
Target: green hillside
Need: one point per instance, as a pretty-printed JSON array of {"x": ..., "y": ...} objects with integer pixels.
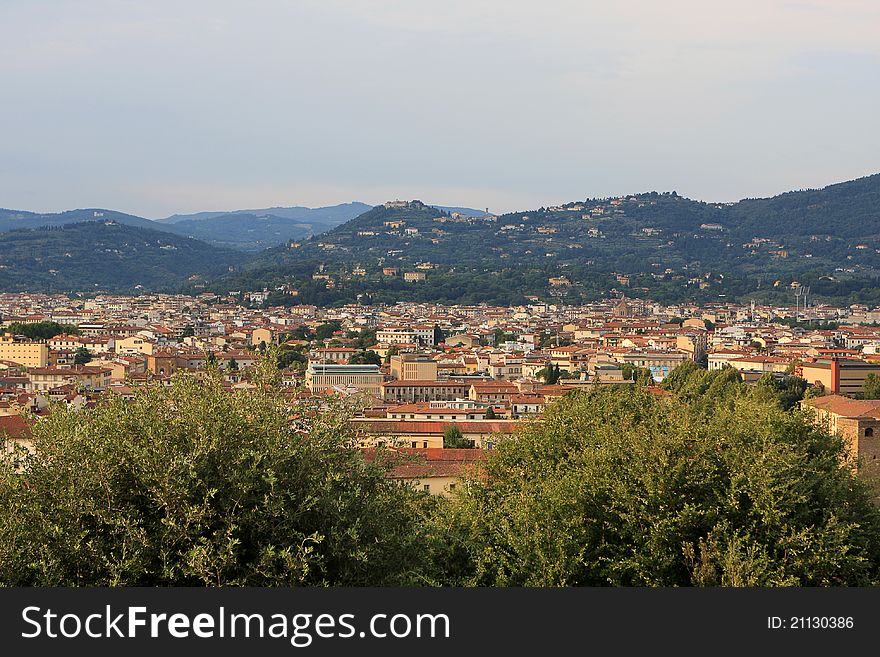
[
  {"x": 105, "y": 255},
  {"x": 658, "y": 245}
]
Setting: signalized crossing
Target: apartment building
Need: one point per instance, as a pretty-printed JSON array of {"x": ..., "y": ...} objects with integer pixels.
[{"x": 27, "y": 353}]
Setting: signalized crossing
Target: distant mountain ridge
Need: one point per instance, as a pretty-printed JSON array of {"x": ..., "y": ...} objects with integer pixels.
[
  {"x": 657, "y": 245},
  {"x": 246, "y": 230},
  {"x": 339, "y": 213},
  {"x": 18, "y": 219}
]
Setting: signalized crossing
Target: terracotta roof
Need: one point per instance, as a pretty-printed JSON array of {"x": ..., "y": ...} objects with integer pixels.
[
  {"x": 431, "y": 462},
  {"x": 845, "y": 406},
  {"x": 14, "y": 426},
  {"x": 437, "y": 427}
]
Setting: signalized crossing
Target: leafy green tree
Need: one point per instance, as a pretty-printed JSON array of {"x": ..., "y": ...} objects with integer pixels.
[
  {"x": 233, "y": 365},
  {"x": 490, "y": 413},
  {"x": 365, "y": 358},
  {"x": 454, "y": 439},
  {"x": 288, "y": 356},
  {"x": 188, "y": 331},
  {"x": 210, "y": 359},
  {"x": 326, "y": 330},
  {"x": 872, "y": 387},
  {"x": 41, "y": 330},
  {"x": 439, "y": 335},
  {"x": 641, "y": 375},
  {"x": 620, "y": 487},
  {"x": 195, "y": 485},
  {"x": 82, "y": 356}
]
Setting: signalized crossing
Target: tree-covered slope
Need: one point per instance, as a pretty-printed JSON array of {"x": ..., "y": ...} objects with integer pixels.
[
  {"x": 649, "y": 244},
  {"x": 107, "y": 256},
  {"x": 18, "y": 219}
]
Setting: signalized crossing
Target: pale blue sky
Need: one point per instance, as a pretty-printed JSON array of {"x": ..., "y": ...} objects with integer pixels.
[{"x": 158, "y": 106}]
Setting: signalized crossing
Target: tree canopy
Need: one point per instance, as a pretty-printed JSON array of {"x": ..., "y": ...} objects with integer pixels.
[
  {"x": 620, "y": 487},
  {"x": 193, "y": 484}
]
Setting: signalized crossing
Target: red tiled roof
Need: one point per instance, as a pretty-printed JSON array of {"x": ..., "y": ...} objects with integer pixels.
[
  {"x": 430, "y": 462},
  {"x": 846, "y": 407},
  {"x": 14, "y": 426},
  {"x": 437, "y": 427}
]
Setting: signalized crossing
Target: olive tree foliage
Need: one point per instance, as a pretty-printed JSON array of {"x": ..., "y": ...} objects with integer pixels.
[
  {"x": 194, "y": 484},
  {"x": 620, "y": 487}
]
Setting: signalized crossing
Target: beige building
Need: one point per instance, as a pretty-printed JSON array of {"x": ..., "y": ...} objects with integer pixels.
[
  {"x": 46, "y": 378},
  {"x": 839, "y": 375},
  {"x": 413, "y": 367},
  {"x": 29, "y": 354},
  {"x": 406, "y": 335},
  {"x": 435, "y": 471},
  {"x": 135, "y": 344},
  {"x": 367, "y": 378},
  {"x": 410, "y": 392}
]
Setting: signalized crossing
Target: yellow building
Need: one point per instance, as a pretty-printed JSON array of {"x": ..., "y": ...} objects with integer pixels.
[
  {"x": 413, "y": 367},
  {"x": 135, "y": 344},
  {"x": 47, "y": 378},
  {"x": 29, "y": 354}
]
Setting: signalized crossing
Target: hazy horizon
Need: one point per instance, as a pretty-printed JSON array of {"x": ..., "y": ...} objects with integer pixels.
[
  {"x": 434, "y": 204},
  {"x": 159, "y": 108}
]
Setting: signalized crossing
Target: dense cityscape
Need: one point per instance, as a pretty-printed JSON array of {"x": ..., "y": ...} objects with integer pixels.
[{"x": 424, "y": 376}]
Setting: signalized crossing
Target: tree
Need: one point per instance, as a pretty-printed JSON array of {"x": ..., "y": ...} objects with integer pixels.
[
  {"x": 327, "y": 329},
  {"x": 490, "y": 413},
  {"x": 41, "y": 330},
  {"x": 454, "y": 439},
  {"x": 365, "y": 358},
  {"x": 620, "y": 487},
  {"x": 641, "y": 375},
  {"x": 188, "y": 331},
  {"x": 193, "y": 484},
  {"x": 210, "y": 359},
  {"x": 233, "y": 365},
  {"x": 82, "y": 356},
  {"x": 872, "y": 387},
  {"x": 439, "y": 335}
]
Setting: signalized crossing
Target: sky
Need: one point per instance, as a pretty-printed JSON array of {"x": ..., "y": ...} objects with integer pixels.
[{"x": 155, "y": 106}]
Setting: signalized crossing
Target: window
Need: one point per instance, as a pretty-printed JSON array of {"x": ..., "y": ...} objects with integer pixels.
[
  {"x": 427, "y": 488},
  {"x": 414, "y": 444},
  {"x": 869, "y": 432},
  {"x": 451, "y": 487},
  {"x": 425, "y": 444}
]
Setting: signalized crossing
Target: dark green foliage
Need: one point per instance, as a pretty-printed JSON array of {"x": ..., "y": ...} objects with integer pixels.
[
  {"x": 366, "y": 358},
  {"x": 327, "y": 330},
  {"x": 82, "y": 356},
  {"x": 196, "y": 485},
  {"x": 41, "y": 330},
  {"x": 641, "y": 375},
  {"x": 619, "y": 487},
  {"x": 94, "y": 256},
  {"x": 872, "y": 387},
  {"x": 454, "y": 439}
]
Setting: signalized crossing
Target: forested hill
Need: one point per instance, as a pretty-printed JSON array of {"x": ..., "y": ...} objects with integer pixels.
[
  {"x": 18, "y": 219},
  {"x": 105, "y": 255},
  {"x": 659, "y": 245}
]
